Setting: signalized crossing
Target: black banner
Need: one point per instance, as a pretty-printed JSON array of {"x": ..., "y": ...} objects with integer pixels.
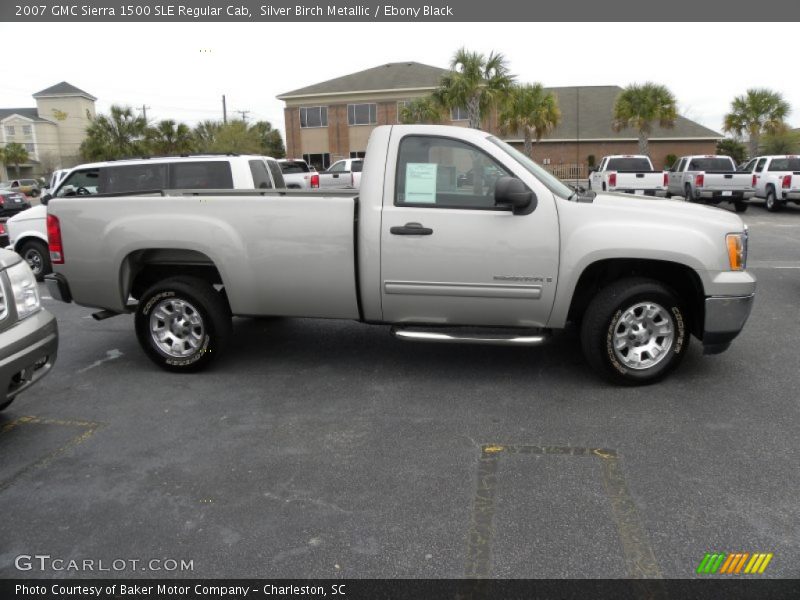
[{"x": 386, "y": 589}]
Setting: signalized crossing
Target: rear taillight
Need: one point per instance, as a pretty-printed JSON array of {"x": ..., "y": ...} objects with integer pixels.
[
  {"x": 666, "y": 179},
  {"x": 612, "y": 180},
  {"x": 2, "y": 229},
  {"x": 699, "y": 179},
  {"x": 315, "y": 181},
  {"x": 54, "y": 240},
  {"x": 753, "y": 183},
  {"x": 787, "y": 182}
]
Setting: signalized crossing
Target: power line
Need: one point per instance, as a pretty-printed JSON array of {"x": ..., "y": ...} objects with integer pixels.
[{"x": 244, "y": 114}]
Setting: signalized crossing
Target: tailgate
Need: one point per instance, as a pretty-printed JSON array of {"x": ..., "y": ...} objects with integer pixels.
[
  {"x": 727, "y": 181},
  {"x": 639, "y": 181}
]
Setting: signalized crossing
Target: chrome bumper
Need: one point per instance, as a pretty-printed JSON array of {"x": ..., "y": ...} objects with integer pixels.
[
  {"x": 725, "y": 317},
  {"x": 27, "y": 353},
  {"x": 793, "y": 195}
]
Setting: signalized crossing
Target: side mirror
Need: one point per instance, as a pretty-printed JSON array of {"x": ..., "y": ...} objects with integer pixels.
[
  {"x": 46, "y": 198},
  {"x": 511, "y": 191}
]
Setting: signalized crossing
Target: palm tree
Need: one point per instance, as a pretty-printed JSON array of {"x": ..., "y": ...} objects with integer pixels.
[
  {"x": 421, "y": 110},
  {"x": 531, "y": 110},
  {"x": 14, "y": 154},
  {"x": 168, "y": 137},
  {"x": 205, "y": 134},
  {"x": 271, "y": 140},
  {"x": 758, "y": 112},
  {"x": 475, "y": 82},
  {"x": 116, "y": 135},
  {"x": 640, "y": 106}
]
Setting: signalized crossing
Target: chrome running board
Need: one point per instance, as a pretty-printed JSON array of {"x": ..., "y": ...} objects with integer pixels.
[{"x": 473, "y": 336}]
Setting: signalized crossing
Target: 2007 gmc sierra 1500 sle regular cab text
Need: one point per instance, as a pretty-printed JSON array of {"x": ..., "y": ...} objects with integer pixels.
[{"x": 504, "y": 260}]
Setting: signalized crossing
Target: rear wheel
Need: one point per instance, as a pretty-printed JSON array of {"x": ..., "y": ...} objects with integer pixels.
[
  {"x": 37, "y": 256},
  {"x": 771, "y": 202},
  {"x": 635, "y": 332},
  {"x": 183, "y": 324},
  {"x": 687, "y": 193}
]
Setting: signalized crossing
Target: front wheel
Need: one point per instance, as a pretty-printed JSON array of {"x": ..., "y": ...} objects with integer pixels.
[
  {"x": 635, "y": 332},
  {"x": 183, "y": 324},
  {"x": 37, "y": 256}
]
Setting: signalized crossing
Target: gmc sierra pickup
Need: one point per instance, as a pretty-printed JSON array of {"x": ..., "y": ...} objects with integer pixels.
[
  {"x": 501, "y": 260},
  {"x": 710, "y": 178},
  {"x": 633, "y": 174}
]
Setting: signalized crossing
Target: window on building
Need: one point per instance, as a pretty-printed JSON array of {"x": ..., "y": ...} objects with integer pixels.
[
  {"x": 9, "y": 130},
  {"x": 319, "y": 161},
  {"x": 360, "y": 154},
  {"x": 362, "y": 114},
  {"x": 29, "y": 148},
  {"x": 314, "y": 116},
  {"x": 27, "y": 130},
  {"x": 400, "y": 106},
  {"x": 445, "y": 173},
  {"x": 459, "y": 113}
]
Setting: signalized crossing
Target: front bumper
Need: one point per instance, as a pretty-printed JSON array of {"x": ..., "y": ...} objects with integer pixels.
[
  {"x": 725, "y": 317},
  {"x": 28, "y": 351},
  {"x": 725, "y": 195}
]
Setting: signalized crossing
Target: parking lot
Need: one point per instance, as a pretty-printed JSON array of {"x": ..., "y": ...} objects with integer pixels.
[{"x": 329, "y": 449}]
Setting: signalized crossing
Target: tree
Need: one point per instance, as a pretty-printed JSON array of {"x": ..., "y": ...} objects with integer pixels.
[
  {"x": 205, "y": 134},
  {"x": 760, "y": 111},
  {"x": 421, "y": 110},
  {"x": 641, "y": 106},
  {"x": 236, "y": 137},
  {"x": 733, "y": 148},
  {"x": 271, "y": 140},
  {"x": 14, "y": 154},
  {"x": 117, "y": 135},
  {"x": 531, "y": 110},
  {"x": 169, "y": 137},
  {"x": 476, "y": 83},
  {"x": 783, "y": 142}
]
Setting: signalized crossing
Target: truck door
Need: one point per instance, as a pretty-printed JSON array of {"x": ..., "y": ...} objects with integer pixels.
[
  {"x": 675, "y": 178},
  {"x": 337, "y": 176},
  {"x": 597, "y": 176},
  {"x": 761, "y": 178},
  {"x": 448, "y": 254}
]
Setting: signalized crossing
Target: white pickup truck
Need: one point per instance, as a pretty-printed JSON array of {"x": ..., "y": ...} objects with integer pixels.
[
  {"x": 776, "y": 179},
  {"x": 710, "y": 178},
  {"x": 342, "y": 174},
  {"x": 632, "y": 174},
  {"x": 503, "y": 259}
]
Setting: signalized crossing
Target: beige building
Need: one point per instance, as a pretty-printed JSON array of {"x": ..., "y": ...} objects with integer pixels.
[
  {"x": 333, "y": 119},
  {"x": 51, "y": 132}
]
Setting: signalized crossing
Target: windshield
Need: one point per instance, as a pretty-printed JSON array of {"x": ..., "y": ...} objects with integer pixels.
[
  {"x": 713, "y": 163},
  {"x": 629, "y": 163},
  {"x": 785, "y": 164},
  {"x": 553, "y": 183}
]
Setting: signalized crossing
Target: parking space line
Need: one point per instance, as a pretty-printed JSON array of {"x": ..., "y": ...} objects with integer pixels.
[
  {"x": 90, "y": 428},
  {"x": 639, "y": 557}
]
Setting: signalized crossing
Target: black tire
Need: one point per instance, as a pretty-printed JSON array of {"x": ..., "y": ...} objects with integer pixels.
[
  {"x": 771, "y": 202},
  {"x": 604, "y": 186},
  {"x": 6, "y": 404},
  {"x": 205, "y": 302},
  {"x": 688, "y": 195},
  {"x": 740, "y": 206},
  {"x": 34, "y": 193},
  {"x": 601, "y": 320},
  {"x": 667, "y": 195},
  {"x": 37, "y": 255}
]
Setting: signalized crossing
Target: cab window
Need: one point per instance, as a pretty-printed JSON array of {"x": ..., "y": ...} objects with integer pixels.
[{"x": 85, "y": 182}]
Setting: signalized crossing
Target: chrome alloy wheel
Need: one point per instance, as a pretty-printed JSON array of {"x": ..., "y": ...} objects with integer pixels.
[
  {"x": 643, "y": 335},
  {"x": 176, "y": 328},
  {"x": 34, "y": 259}
]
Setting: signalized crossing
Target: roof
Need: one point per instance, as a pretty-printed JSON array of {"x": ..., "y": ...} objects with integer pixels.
[
  {"x": 591, "y": 108},
  {"x": 391, "y": 76},
  {"x": 30, "y": 113},
  {"x": 63, "y": 89}
]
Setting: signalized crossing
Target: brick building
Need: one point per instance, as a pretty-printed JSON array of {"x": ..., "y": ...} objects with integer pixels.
[{"x": 333, "y": 119}]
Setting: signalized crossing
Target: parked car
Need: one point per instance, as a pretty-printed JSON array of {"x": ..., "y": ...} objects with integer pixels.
[
  {"x": 27, "y": 230},
  {"x": 29, "y": 187},
  {"x": 28, "y": 333},
  {"x": 628, "y": 173},
  {"x": 12, "y": 202},
  {"x": 501, "y": 265},
  {"x": 342, "y": 174},
  {"x": 710, "y": 178},
  {"x": 776, "y": 179},
  {"x": 298, "y": 175}
]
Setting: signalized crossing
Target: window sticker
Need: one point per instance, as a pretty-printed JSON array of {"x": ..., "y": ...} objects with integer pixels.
[{"x": 421, "y": 183}]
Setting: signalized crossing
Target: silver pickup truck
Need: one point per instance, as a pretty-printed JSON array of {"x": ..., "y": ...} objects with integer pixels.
[
  {"x": 502, "y": 260},
  {"x": 711, "y": 179}
]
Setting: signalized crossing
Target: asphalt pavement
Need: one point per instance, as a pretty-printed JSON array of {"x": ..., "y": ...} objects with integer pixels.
[{"x": 329, "y": 449}]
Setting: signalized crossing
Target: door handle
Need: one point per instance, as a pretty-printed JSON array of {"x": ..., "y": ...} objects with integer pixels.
[{"x": 411, "y": 229}]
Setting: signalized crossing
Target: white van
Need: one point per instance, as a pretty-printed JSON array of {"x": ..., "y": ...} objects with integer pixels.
[{"x": 27, "y": 230}]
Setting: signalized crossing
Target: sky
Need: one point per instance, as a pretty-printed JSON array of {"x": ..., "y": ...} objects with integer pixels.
[{"x": 181, "y": 70}]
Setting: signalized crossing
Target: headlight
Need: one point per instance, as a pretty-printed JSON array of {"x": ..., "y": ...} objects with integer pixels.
[
  {"x": 737, "y": 250},
  {"x": 24, "y": 289}
]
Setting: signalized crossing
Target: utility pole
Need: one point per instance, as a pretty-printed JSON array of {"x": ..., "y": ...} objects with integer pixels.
[
  {"x": 224, "y": 111},
  {"x": 243, "y": 113},
  {"x": 144, "y": 111}
]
